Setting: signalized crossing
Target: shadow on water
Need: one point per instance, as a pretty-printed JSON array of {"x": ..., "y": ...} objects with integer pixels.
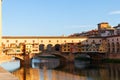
[{"x": 93, "y": 70}]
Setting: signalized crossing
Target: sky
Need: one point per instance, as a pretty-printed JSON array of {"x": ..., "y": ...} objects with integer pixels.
[{"x": 56, "y": 17}]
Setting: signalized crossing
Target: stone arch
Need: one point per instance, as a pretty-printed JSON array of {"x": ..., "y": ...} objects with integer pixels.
[
  {"x": 61, "y": 57},
  {"x": 57, "y": 47},
  {"x": 41, "y": 47},
  {"x": 49, "y": 47}
]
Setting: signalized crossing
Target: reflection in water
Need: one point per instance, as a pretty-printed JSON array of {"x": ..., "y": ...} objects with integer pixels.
[
  {"x": 48, "y": 69},
  {"x": 49, "y": 63}
]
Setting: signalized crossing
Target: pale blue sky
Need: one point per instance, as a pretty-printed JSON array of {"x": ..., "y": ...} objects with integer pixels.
[{"x": 56, "y": 17}]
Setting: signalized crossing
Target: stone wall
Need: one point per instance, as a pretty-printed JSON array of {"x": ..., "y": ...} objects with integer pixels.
[{"x": 114, "y": 56}]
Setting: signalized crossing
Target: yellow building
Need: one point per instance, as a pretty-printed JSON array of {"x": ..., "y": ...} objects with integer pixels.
[
  {"x": 37, "y": 44},
  {"x": 71, "y": 47},
  {"x": 103, "y": 25},
  {"x": 28, "y": 48},
  {"x": 33, "y": 44}
]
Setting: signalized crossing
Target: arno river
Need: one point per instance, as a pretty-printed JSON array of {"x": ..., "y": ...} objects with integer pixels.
[{"x": 49, "y": 69}]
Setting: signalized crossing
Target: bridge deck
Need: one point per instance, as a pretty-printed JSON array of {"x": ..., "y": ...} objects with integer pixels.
[{"x": 5, "y": 75}]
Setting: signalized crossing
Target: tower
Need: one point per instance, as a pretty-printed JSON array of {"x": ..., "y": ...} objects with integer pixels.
[{"x": 0, "y": 26}]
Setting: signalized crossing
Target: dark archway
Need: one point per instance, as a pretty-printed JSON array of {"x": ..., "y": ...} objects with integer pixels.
[
  {"x": 41, "y": 47},
  {"x": 49, "y": 47},
  {"x": 57, "y": 47}
]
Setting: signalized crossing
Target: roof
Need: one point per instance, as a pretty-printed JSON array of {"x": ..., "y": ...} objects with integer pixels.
[{"x": 31, "y": 37}]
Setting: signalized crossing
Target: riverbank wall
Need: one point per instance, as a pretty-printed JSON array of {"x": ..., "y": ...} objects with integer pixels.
[
  {"x": 114, "y": 56},
  {"x": 5, "y": 75}
]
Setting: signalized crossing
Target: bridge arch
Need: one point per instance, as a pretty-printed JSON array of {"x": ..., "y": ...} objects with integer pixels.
[
  {"x": 41, "y": 47},
  {"x": 57, "y": 47},
  {"x": 61, "y": 57},
  {"x": 49, "y": 47}
]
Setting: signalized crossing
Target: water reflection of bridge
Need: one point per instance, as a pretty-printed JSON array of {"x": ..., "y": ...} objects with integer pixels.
[{"x": 72, "y": 72}]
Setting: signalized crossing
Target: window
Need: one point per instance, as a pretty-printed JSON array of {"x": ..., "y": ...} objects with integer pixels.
[
  {"x": 7, "y": 40},
  {"x": 117, "y": 50},
  {"x": 113, "y": 45},
  {"x": 64, "y": 45},
  {"x": 41, "y": 40},
  {"x": 25, "y": 41},
  {"x": 64, "y": 49},
  {"x": 72, "y": 41},
  {"x": 16, "y": 41},
  {"x": 113, "y": 49},
  {"x": 117, "y": 39},
  {"x": 49, "y": 40},
  {"x": 64, "y": 40},
  {"x": 33, "y": 41}
]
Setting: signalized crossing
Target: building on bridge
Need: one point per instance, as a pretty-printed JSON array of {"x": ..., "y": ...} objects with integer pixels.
[
  {"x": 113, "y": 46},
  {"x": 37, "y": 44}
]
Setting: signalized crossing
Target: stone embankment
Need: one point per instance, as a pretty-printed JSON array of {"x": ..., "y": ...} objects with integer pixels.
[{"x": 5, "y": 75}]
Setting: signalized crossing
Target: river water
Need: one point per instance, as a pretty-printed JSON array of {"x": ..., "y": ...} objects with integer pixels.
[{"x": 50, "y": 69}]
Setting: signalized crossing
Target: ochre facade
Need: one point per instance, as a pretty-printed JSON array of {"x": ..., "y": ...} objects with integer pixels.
[{"x": 37, "y": 44}]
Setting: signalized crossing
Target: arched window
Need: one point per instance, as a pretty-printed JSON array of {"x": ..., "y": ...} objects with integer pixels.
[
  {"x": 108, "y": 47},
  {"x": 16, "y": 41},
  {"x": 7, "y": 40},
  {"x": 118, "y": 47},
  {"x": 57, "y": 40},
  {"x": 49, "y": 47},
  {"x": 33, "y": 41},
  {"x": 113, "y": 47},
  {"x": 25, "y": 41},
  {"x": 41, "y": 47},
  {"x": 57, "y": 47},
  {"x": 41, "y": 41}
]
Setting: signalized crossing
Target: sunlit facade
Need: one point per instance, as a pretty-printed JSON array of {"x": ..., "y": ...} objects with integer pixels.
[
  {"x": 114, "y": 46},
  {"x": 33, "y": 44},
  {"x": 14, "y": 45}
]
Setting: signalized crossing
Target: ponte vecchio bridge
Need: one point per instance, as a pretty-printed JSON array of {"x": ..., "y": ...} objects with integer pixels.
[{"x": 55, "y": 45}]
